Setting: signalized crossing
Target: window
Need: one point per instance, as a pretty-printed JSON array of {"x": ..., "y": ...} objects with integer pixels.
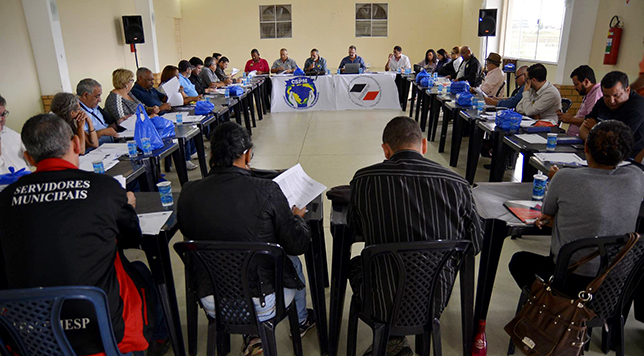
[
  {"x": 533, "y": 31},
  {"x": 275, "y": 21},
  {"x": 371, "y": 20}
]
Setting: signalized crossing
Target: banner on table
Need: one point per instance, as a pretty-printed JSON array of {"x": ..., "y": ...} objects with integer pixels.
[
  {"x": 299, "y": 93},
  {"x": 366, "y": 91}
]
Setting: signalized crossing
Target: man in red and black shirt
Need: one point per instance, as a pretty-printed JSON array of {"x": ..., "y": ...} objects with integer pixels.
[{"x": 61, "y": 226}]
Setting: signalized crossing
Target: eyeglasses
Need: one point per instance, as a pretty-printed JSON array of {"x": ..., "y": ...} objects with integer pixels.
[
  {"x": 5, "y": 114},
  {"x": 252, "y": 153}
]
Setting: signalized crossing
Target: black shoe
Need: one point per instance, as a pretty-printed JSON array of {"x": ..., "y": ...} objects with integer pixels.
[
  {"x": 159, "y": 348},
  {"x": 307, "y": 325}
]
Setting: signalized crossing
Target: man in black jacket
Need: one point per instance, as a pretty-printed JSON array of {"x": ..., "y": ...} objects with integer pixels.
[
  {"x": 231, "y": 204},
  {"x": 470, "y": 69}
]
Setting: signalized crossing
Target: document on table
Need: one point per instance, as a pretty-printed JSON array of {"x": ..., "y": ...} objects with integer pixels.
[
  {"x": 489, "y": 117},
  {"x": 532, "y": 138},
  {"x": 119, "y": 178},
  {"x": 117, "y": 149},
  {"x": 152, "y": 223},
  {"x": 85, "y": 162},
  {"x": 129, "y": 125},
  {"x": 235, "y": 71},
  {"x": 527, "y": 122},
  {"x": 562, "y": 158},
  {"x": 171, "y": 88},
  {"x": 480, "y": 92},
  {"x": 298, "y": 187},
  {"x": 186, "y": 118}
]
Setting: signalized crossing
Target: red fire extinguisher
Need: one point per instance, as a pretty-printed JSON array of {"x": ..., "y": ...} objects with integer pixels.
[{"x": 613, "y": 41}]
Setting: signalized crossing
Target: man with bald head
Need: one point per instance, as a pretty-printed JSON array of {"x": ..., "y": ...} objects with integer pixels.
[
  {"x": 144, "y": 91},
  {"x": 470, "y": 69},
  {"x": 517, "y": 94},
  {"x": 284, "y": 64}
]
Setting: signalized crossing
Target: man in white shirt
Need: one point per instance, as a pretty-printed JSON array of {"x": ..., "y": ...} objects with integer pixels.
[
  {"x": 541, "y": 100},
  {"x": 397, "y": 60},
  {"x": 494, "y": 78},
  {"x": 11, "y": 147}
]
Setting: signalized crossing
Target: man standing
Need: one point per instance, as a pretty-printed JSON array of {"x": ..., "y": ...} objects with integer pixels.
[
  {"x": 315, "y": 64},
  {"x": 583, "y": 78},
  {"x": 470, "y": 68},
  {"x": 256, "y": 63},
  {"x": 517, "y": 93},
  {"x": 397, "y": 61},
  {"x": 494, "y": 78},
  {"x": 144, "y": 90},
  {"x": 84, "y": 221},
  {"x": 89, "y": 93},
  {"x": 541, "y": 100},
  {"x": 619, "y": 103},
  {"x": 408, "y": 198},
  {"x": 284, "y": 64},
  {"x": 11, "y": 148},
  {"x": 353, "y": 57}
]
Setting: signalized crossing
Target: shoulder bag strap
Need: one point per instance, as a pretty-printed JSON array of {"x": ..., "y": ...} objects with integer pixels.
[{"x": 597, "y": 282}]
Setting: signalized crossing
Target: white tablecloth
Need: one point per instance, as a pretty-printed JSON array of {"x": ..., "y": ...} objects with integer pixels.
[{"x": 334, "y": 92}]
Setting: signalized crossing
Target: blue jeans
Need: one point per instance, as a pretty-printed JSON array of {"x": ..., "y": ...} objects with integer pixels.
[
  {"x": 268, "y": 310},
  {"x": 191, "y": 149}
]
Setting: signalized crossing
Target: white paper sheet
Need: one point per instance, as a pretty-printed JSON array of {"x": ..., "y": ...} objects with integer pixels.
[
  {"x": 126, "y": 134},
  {"x": 85, "y": 162},
  {"x": 480, "y": 92},
  {"x": 235, "y": 71},
  {"x": 527, "y": 122},
  {"x": 186, "y": 118},
  {"x": 488, "y": 117},
  {"x": 569, "y": 158},
  {"x": 298, "y": 187},
  {"x": 119, "y": 178},
  {"x": 533, "y": 138},
  {"x": 129, "y": 123},
  {"x": 118, "y": 149},
  {"x": 152, "y": 223},
  {"x": 171, "y": 88}
]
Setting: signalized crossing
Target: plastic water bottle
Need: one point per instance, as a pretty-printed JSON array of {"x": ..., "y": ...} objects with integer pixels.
[
  {"x": 440, "y": 89},
  {"x": 435, "y": 75},
  {"x": 448, "y": 88},
  {"x": 227, "y": 94},
  {"x": 339, "y": 71},
  {"x": 244, "y": 75}
]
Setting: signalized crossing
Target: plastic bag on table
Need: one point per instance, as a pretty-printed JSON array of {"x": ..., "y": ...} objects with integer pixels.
[
  {"x": 508, "y": 120},
  {"x": 164, "y": 127},
  {"x": 459, "y": 87},
  {"x": 464, "y": 99},
  {"x": 145, "y": 129}
]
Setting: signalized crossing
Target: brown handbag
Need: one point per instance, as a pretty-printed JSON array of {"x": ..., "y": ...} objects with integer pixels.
[{"x": 550, "y": 323}]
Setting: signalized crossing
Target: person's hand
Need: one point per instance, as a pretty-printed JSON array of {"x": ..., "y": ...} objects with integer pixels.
[
  {"x": 553, "y": 170},
  {"x": 589, "y": 123},
  {"x": 280, "y": 68},
  {"x": 81, "y": 118},
  {"x": 131, "y": 199},
  {"x": 228, "y": 81},
  {"x": 165, "y": 107},
  {"x": 490, "y": 101},
  {"x": 155, "y": 109},
  {"x": 107, "y": 132},
  {"x": 448, "y": 77},
  {"x": 299, "y": 212},
  {"x": 567, "y": 117},
  {"x": 537, "y": 117},
  {"x": 544, "y": 220},
  {"x": 391, "y": 55},
  {"x": 526, "y": 87}
]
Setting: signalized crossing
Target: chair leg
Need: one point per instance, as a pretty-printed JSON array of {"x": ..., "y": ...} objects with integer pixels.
[
  {"x": 212, "y": 337},
  {"x": 423, "y": 343},
  {"x": 436, "y": 335},
  {"x": 619, "y": 328},
  {"x": 221, "y": 344},
  {"x": 589, "y": 331},
  {"x": 352, "y": 336},
  {"x": 522, "y": 300},
  {"x": 380, "y": 339},
  {"x": 606, "y": 337},
  {"x": 192, "y": 311},
  {"x": 267, "y": 334},
  {"x": 294, "y": 323}
]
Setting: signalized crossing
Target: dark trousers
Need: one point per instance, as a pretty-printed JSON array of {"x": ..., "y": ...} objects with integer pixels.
[{"x": 160, "y": 329}]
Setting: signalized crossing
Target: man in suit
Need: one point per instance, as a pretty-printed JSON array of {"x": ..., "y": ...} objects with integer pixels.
[
  {"x": 89, "y": 93},
  {"x": 470, "y": 68}
]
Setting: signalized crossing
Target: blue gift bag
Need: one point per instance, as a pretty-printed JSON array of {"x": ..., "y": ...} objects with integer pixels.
[
  {"x": 164, "y": 127},
  {"x": 145, "y": 128},
  {"x": 204, "y": 107},
  {"x": 460, "y": 87},
  {"x": 422, "y": 74},
  {"x": 508, "y": 120}
]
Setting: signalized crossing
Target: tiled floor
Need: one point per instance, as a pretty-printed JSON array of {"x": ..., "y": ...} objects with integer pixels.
[{"x": 331, "y": 146}]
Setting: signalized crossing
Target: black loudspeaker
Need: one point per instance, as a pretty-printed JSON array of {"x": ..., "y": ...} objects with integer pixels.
[
  {"x": 133, "y": 29},
  {"x": 487, "y": 22}
]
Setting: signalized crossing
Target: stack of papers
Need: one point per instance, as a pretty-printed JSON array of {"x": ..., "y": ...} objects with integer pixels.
[
  {"x": 561, "y": 158},
  {"x": 527, "y": 122},
  {"x": 152, "y": 223},
  {"x": 107, "y": 152},
  {"x": 186, "y": 118},
  {"x": 532, "y": 138},
  {"x": 298, "y": 187},
  {"x": 171, "y": 88}
]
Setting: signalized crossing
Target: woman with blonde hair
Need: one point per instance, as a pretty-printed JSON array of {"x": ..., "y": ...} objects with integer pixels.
[{"x": 119, "y": 103}]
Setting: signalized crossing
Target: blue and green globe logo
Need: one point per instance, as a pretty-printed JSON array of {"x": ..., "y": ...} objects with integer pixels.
[{"x": 301, "y": 93}]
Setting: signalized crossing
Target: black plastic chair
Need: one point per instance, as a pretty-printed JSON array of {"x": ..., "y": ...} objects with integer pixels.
[
  {"x": 228, "y": 265},
  {"x": 498, "y": 92},
  {"x": 614, "y": 295},
  {"x": 31, "y": 317},
  {"x": 419, "y": 266},
  {"x": 565, "y": 105}
]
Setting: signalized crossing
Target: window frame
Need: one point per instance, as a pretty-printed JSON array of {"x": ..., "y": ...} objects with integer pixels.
[
  {"x": 370, "y": 20},
  {"x": 275, "y": 22}
]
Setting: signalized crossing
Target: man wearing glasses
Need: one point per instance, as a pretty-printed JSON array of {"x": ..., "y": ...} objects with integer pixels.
[
  {"x": 517, "y": 94},
  {"x": 11, "y": 147}
]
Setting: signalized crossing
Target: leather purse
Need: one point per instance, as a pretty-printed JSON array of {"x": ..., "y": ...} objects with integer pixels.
[{"x": 551, "y": 323}]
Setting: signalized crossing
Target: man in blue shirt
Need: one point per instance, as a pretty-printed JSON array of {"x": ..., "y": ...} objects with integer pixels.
[
  {"x": 144, "y": 90},
  {"x": 315, "y": 64},
  {"x": 517, "y": 94},
  {"x": 185, "y": 70},
  {"x": 89, "y": 93},
  {"x": 353, "y": 57}
]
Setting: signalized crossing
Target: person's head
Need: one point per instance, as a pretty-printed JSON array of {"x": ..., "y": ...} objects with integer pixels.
[
  {"x": 455, "y": 53},
  {"x": 3, "y": 112},
  {"x": 197, "y": 64},
  {"x": 521, "y": 76},
  {"x": 66, "y": 106},
  {"x": 49, "y": 136},
  {"x": 254, "y": 54},
  {"x": 223, "y": 62},
  {"x": 402, "y": 133},
  {"x": 145, "y": 78},
  {"x": 616, "y": 89},
  {"x": 230, "y": 145},
  {"x": 608, "y": 143},
  {"x": 352, "y": 52},
  {"x": 493, "y": 60},
  {"x": 168, "y": 73},
  {"x": 283, "y": 54},
  {"x": 89, "y": 92},
  {"x": 210, "y": 62},
  {"x": 123, "y": 79},
  {"x": 397, "y": 51},
  {"x": 315, "y": 54},
  {"x": 216, "y": 56},
  {"x": 537, "y": 74},
  {"x": 583, "y": 78},
  {"x": 185, "y": 68},
  {"x": 442, "y": 55},
  {"x": 466, "y": 53},
  {"x": 430, "y": 56}
]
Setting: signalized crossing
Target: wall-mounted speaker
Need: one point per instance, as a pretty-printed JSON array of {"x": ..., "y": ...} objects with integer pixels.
[
  {"x": 487, "y": 22},
  {"x": 133, "y": 29}
]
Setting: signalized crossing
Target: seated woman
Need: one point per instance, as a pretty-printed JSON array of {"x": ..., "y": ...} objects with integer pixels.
[
  {"x": 232, "y": 204},
  {"x": 601, "y": 200},
  {"x": 119, "y": 103},
  {"x": 168, "y": 73},
  {"x": 429, "y": 63},
  {"x": 67, "y": 106},
  {"x": 443, "y": 58}
]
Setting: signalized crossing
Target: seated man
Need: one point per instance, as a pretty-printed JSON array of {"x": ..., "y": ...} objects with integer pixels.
[
  {"x": 200, "y": 86},
  {"x": 256, "y": 63},
  {"x": 583, "y": 78},
  {"x": 84, "y": 221},
  {"x": 144, "y": 90},
  {"x": 222, "y": 64},
  {"x": 409, "y": 198},
  {"x": 619, "y": 103},
  {"x": 89, "y": 93},
  {"x": 11, "y": 148},
  {"x": 315, "y": 64},
  {"x": 284, "y": 64},
  {"x": 397, "y": 61},
  {"x": 260, "y": 214},
  {"x": 353, "y": 57},
  {"x": 185, "y": 71},
  {"x": 450, "y": 69},
  {"x": 470, "y": 68},
  {"x": 494, "y": 78},
  {"x": 517, "y": 94},
  {"x": 541, "y": 100},
  {"x": 208, "y": 75}
]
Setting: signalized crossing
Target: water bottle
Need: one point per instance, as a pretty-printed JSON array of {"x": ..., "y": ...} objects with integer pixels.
[
  {"x": 435, "y": 75},
  {"x": 479, "y": 348},
  {"x": 448, "y": 88},
  {"x": 339, "y": 71},
  {"x": 440, "y": 90},
  {"x": 244, "y": 75},
  {"x": 227, "y": 94}
]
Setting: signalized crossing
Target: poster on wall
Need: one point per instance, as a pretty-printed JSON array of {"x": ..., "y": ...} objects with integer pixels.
[{"x": 300, "y": 93}]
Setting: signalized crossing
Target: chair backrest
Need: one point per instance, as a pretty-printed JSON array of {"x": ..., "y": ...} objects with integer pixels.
[
  {"x": 415, "y": 267},
  {"x": 565, "y": 105},
  {"x": 620, "y": 282},
  {"x": 498, "y": 92},
  {"x": 32, "y": 318},
  {"x": 229, "y": 265}
]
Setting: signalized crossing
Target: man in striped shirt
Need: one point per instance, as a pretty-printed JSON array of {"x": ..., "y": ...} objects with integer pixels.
[{"x": 409, "y": 198}]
